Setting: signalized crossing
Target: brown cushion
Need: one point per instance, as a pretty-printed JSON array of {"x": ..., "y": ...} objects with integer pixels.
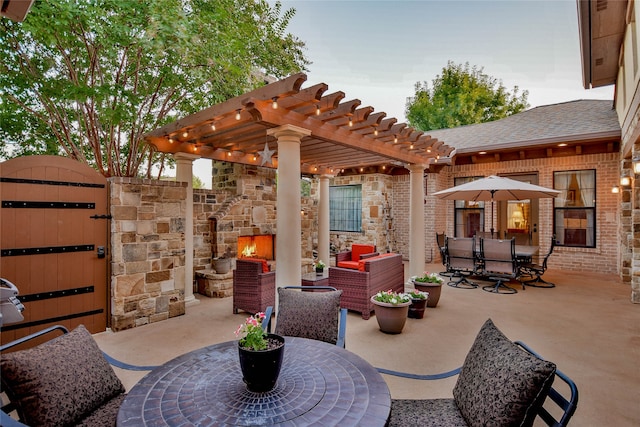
[
  {"x": 61, "y": 381},
  {"x": 312, "y": 315},
  {"x": 500, "y": 383}
]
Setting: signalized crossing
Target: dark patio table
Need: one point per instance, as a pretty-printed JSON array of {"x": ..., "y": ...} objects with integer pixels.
[{"x": 319, "y": 384}]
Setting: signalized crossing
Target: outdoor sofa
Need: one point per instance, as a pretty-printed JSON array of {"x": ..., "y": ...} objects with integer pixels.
[{"x": 374, "y": 274}]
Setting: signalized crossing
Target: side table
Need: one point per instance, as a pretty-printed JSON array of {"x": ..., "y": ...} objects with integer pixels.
[{"x": 312, "y": 279}]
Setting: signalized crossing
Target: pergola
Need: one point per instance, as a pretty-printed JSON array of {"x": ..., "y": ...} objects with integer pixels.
[{"x": 302, "y": 131}]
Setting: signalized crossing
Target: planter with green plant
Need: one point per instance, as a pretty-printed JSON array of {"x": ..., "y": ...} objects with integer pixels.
[
  {"x": 391, "y": 310},
  {"x": 430, "y": 283}
]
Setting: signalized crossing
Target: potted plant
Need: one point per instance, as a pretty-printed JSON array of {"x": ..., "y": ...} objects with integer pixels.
[
  {"x": 222, "y": 264},
  {"x": 418, "y": 303},
  {"x": 260, "y": 354},
  {"x": 431, "y": 283},
  {"x": 391, "y": 310},
  {"x": 319, "y": 266}
]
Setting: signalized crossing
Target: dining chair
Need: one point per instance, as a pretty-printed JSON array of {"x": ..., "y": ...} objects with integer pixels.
[
  {"x": 499, "y": 264},
  {"x": 538, "y": 270},
  {"x": 65, "y": 380},
  {"x": 441, "y": 239},
  {"x": 461, "y": 261},
  {"x": 520, "y": 238},
  {"x": 304, "y": 313}
]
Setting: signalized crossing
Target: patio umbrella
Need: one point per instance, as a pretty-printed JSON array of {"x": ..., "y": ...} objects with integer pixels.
[{"x": 494, "y": 188}]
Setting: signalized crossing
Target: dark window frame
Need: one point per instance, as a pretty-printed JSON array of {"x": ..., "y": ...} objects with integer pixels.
[{"x": 575, "y": 226}]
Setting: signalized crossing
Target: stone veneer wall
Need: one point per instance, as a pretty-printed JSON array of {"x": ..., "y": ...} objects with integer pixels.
[
  {"x": 147, "y": 251},
  {"x": 374, "y": 189}
]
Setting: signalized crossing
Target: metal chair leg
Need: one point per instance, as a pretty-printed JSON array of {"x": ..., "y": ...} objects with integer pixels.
[{"x": 496, "y": 289}]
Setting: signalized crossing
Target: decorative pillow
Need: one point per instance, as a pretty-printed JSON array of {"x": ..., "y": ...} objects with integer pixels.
[
  {"x": 312, "y": 315},
  {"x": 357, "y": 250},
  {"x": 265, "y": 266},
  {"x": 60, "y": 381},
  {"x": 500, "y": 383}
]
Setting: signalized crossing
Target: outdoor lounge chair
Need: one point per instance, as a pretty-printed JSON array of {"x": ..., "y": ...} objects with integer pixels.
[
  {"x": 308, "y": 314},
  {"x": 254, "y": 289},
  {"x": 500, "y": 383},
  {"x": 461, "y": 261},
  {"x": 536, "y": 269},
  {"x": 63, "y": 381}
]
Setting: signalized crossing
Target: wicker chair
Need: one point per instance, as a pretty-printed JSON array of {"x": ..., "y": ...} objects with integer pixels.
[
  {"x": 253, "y": 288},
  {"x": 350, "y": 259},
  {"x": 379, "y": 273}
]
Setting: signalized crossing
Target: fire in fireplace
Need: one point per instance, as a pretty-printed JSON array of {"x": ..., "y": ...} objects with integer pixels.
[{"x": 258, "y": 246}]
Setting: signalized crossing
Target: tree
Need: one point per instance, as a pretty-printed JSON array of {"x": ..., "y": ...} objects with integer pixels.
[
  {"x": 88, "y": 78},
  {"x": 461, "y": 96}
]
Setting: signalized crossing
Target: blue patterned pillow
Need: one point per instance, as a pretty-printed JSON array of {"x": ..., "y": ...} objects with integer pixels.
[
  {"x": 312, "y": 315},
  {"x": 501, "y": 384}
]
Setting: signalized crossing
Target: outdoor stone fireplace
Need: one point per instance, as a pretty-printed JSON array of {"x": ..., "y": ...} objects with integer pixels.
[{"x": 257, "y": 246}]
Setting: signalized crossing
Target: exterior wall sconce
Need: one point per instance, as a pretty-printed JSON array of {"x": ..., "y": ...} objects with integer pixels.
[
  {"x": 636, "y": 165},
  {"x": 615, "y": 189},
  {"x": 625, "y": 181}
]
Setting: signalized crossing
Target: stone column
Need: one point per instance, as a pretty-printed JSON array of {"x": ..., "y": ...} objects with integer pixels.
[
  {"x": 323, "y": 219},
  {"x": 184, "y": 173},
  {"x": 416, "y": 219},
  {"x": 288, "y": 221}
]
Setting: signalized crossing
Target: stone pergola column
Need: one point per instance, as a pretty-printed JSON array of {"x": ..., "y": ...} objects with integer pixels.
[
  {"x": 184, "y": 173},
  {"x": 323, "y": 219},
  {"x": 288, "y": 222},
  {"x": 416, "y": 219}
]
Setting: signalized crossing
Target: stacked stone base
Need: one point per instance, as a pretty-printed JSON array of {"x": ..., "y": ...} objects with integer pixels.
[{"x": 214, "y": 285}]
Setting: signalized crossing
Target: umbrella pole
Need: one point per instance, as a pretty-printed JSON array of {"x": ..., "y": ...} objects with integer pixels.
[{"x": 492, "y": 202}]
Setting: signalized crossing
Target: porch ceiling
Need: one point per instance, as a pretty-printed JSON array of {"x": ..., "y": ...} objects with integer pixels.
[{"x": 236, "y": 131}]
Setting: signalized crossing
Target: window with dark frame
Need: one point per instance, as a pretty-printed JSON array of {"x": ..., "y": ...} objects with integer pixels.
[
  {"x": 345, "y": 208},
  {"x": 574, "y": 210},
  {"x": 468, "y": 215}
]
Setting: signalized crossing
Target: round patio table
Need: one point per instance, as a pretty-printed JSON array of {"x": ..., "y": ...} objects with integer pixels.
[{"x": 319, "y": 384}]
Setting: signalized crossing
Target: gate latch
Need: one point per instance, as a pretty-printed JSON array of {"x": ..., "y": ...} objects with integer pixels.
[{"x": 101, "y": 252}]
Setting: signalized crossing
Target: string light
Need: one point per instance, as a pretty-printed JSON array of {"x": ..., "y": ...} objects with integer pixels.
[
  {"x": 375, "y": 131},
  {"x": 274, "y": 104},
  {"x": 228, "y": 153},
  {"x": 350, "y": 122},
  {"x": 213, "y": 126},
  {"x": 395, "y": 138},
  {"x": 411, "y": 147},
  {"x": 317, "y": 110},
  {"x": 237, "y": 114},
  {"x": 185, "y": 134},
  {"x": 170, "y": 140}
]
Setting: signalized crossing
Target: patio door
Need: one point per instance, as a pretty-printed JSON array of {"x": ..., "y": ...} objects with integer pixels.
[{"x": 519, "y": 217}]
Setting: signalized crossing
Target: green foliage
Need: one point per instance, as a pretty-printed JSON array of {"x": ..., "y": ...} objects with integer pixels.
[
  {"x": 461, "y": 96},
  {"x": 391, "y": 297},
  {"x": 428, "y": 278},
  {"x": 197, "y": 182},
  {"x": 89, "y": 78},
  {"x": 251, "y": 334}
]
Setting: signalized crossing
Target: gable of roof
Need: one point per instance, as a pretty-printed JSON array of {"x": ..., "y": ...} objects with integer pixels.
[{"x": 580, "y": 120}]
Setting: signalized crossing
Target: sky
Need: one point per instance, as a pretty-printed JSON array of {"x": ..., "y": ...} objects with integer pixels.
[{"x": 376, "y": 51}]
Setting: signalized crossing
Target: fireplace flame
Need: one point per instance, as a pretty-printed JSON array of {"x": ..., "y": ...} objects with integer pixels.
[{"x": 249, "y": 250}]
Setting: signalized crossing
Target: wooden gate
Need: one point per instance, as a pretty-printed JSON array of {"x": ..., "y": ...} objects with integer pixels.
[{"x": 53, "y": 240}]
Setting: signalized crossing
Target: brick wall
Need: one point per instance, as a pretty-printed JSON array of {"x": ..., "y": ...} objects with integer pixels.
[{"x": 610, "y": 231}]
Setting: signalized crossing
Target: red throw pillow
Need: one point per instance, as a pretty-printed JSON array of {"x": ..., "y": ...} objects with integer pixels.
[{"x": 265, "y": 265}]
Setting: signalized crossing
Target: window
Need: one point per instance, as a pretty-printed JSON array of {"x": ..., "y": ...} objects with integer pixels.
[
  {"x": 575, "y": 208},
  {"x": 469, "y": 215},
  {"x": 345, "y": 208}
]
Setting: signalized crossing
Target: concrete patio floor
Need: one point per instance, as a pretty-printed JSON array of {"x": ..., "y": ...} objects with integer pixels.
[{"x": 586, "y": 325}]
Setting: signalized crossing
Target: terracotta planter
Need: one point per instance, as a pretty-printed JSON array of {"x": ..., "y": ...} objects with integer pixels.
[
  {"x": 260, "y": 369},
  {"x": 416, "y": 309},
  {"x": 434, "y": 290},
  {"x": 391, "y": 318}
]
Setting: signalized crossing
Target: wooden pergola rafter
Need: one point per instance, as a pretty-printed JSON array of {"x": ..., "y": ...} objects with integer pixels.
[{"x": 343, "y": 135}]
